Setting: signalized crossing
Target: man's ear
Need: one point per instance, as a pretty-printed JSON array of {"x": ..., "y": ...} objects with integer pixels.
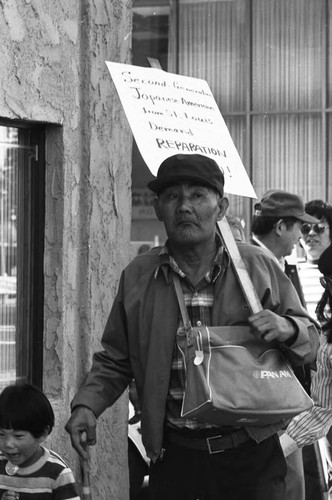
[
  {"x": 223, "y": 206},
  {"x": 156, "y": 208},
  {"x": 278, "y": 226}
]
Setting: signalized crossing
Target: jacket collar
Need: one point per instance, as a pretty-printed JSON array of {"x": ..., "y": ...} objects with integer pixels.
[{"x": 167, "y": 263}]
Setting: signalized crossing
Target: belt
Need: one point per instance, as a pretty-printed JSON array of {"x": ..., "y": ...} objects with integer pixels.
[{"x": 212, "y": 444}]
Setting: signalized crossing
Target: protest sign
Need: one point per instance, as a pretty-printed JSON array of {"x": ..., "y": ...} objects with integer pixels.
[{"x": 170, "y": 114}]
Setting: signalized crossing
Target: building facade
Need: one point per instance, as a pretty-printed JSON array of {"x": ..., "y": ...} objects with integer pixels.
[{"x": 69, "y": 167}]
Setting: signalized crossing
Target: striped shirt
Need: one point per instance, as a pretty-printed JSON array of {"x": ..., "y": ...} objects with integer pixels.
[
  {"x": 48, "y": 478},
  {"x": 199, "y": 301},
  {"x": 309, "y": 426}
]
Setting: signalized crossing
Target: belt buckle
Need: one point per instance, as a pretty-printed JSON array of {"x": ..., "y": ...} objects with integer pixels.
[{"x": 209, "y": 440}]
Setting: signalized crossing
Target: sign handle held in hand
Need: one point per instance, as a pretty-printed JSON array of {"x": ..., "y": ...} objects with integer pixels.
[
  {"x": 86, "y": 483},
  {"x": 85, "y": 471}
]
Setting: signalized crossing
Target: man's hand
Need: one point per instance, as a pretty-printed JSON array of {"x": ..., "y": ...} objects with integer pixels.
[
  {"x": 82, "y": 429},
  {"x": 269, "y": 326}
]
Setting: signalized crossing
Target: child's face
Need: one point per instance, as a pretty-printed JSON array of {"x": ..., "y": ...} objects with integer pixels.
[{"x": 21, "y": 448}]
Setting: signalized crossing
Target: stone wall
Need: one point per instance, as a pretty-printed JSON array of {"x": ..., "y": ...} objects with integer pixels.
[{"x": 53, "y": 71}]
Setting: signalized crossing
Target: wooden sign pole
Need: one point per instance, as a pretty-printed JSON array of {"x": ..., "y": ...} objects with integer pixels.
[{"x": 239, "y": 267}]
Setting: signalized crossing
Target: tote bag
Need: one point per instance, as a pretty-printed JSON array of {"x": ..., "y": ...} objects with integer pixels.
[{"x": 234, "y": 379}]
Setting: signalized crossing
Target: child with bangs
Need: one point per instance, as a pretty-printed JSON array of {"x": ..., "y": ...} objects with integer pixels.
[{"x": 28, "y": 470}]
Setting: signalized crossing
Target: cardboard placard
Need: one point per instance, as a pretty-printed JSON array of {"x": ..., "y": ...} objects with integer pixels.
[{"x": 170, "y": 114}]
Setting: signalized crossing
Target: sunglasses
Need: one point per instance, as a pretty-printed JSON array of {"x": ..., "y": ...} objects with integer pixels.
[
  {"x": 319, "y": 228},
  {"x": 326, "y": 282}
]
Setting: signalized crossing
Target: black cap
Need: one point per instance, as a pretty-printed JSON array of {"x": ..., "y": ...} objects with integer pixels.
[
  {"x": 192, "y": 168},
  {"x": 278, "y": 203}
]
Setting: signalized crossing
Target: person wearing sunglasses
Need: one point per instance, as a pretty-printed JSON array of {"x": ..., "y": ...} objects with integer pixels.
[
  {"x": 309, "y": 427},
  {"x": 315, "y": 238}
]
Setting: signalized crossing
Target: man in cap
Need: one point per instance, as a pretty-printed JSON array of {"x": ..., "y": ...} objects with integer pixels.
[
  {"x": 276, "y": 226},
  {"x": 139, "y": 342}
]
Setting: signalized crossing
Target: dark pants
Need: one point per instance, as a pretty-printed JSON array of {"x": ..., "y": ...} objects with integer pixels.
[
  {"x": 250, "y": 472},
  {"x": 295, "y": 476},
  {"x": 315, "y": 485}
]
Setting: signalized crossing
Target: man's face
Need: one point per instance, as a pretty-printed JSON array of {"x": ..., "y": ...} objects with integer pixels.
[
  {"x": 314, "y": 243},
  {"x": 190, "y": 212},
  {"x": 290, "y": 237}
]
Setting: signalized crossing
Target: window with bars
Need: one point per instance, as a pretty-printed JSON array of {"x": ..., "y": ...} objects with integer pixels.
[
  {"x": 21, "y": 252},
  {"x": 267, "y": 64}
]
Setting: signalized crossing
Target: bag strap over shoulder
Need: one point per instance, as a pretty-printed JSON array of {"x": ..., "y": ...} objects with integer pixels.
[{"x": 186, "y": 321}]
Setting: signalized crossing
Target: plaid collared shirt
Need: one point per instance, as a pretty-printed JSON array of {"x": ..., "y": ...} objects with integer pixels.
[{"x": 199, "y": 301}]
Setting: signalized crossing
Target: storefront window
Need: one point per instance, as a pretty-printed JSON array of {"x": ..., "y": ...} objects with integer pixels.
[
  {"x": 8, "y": 254},
  {"x": 21, "y": 256}
]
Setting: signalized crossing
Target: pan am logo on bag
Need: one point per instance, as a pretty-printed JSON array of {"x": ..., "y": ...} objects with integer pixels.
[{"x": 272, "y": 374}]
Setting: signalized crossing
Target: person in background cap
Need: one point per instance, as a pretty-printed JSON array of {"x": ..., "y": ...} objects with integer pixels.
[
  {"x": 276, "y": 226},
  {"x": 139, "y": 342}
]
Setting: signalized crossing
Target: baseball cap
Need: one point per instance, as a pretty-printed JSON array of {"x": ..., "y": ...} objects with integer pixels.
[
  {"x": 277, "y": 203},
  {"x": 192, "y": 168}
]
